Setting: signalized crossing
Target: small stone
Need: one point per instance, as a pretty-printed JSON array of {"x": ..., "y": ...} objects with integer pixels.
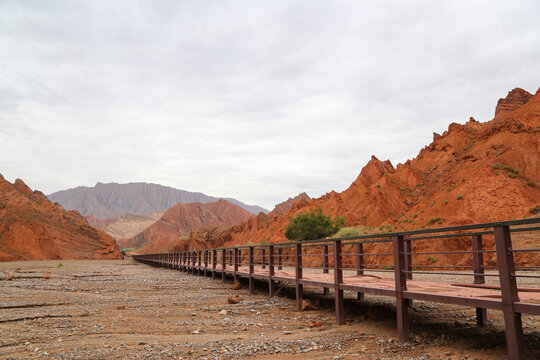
[
  {"x": 223, "y": 312},
  {"x": 287, "y": 332}
]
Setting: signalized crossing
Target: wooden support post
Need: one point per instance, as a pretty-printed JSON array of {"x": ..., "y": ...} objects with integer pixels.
[
  {"x": 479, "y": 278},
  {"x": 199, "y": 266},
  {"x": 271, "y": 283},
  {"x": 325, "y": 266},
  {"x": 360, "y": 265},
  {"x": 338, "y": 279},
  {"x": 279, "y": 258},
  {"x": 214, "y": 263},
  {"x": 205, "y": 262},
  {"x": 263, "y": 256},
  {"x": 507, "y": 276},
  {"x": 250, "y": 260},
  {"x": 298, "y": 275},
  {"x": 402, "y": 305},
  {"x": 235, "y": 269},
  {"x": 223, "y": 265}
]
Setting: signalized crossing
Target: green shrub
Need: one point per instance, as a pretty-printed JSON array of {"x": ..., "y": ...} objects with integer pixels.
[
  {"x": 532, "y": 183},
  {"x": 378, "y": 185},
  {"x": 431, "y": 260},
  {"x": 535, "y": 210},
  {"x": 510, "y": 169},
  {"x": 445, "y": 202},
  {"x": 60, "y": 265},
  {"x": 459, "y": 197},
  {"x": 433, "y": 221},
  {"x": 511, "y": 175},
  {"x": 348, "y": 232},
  {"x": 312, "y": 225},
  {"x": 497, "y": 165}
]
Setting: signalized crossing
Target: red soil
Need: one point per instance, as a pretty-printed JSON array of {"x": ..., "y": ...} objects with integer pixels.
[{"x": 33, "y": 228}]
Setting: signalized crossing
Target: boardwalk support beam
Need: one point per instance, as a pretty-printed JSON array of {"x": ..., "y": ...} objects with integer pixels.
[
  {"x": 298, "y": 275},
  {"x": 402, "y": 305},
  {"x": 338, "y": 279},
  {"x": 478, "y": 265},
  {"x": 507, "y": 276}
]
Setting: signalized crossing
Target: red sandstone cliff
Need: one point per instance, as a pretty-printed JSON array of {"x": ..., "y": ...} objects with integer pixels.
[
  {"x": 176, "y": 224},
  {"x": 31, "y": 227}
]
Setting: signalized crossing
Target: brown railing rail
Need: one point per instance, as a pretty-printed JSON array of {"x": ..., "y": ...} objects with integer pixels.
[{"x": 353, "y": 263}]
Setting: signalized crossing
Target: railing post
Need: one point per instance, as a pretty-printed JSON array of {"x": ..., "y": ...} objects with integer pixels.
[
  {"x": 223, "y": 265},
  {"x": 298, "y": 275},
  {"x": 235, "y": 269},
  {"x": 360, "y": 265},
  {"x": 402, "y": 305},
  {"x": 338, "y": 279},
  {"x": 183, "y": 261},
  {"x": 199, "y": 255},
  {"x": 478, "y": 266},
  {"x": 214, "y": 263},
  {"x": 279, "y": 258},
  {"x": 325, "y": 266},
  {"x": 250, "y": 271},
  {"x": 263, "y": 261},
  {"x": 205, "y": 262},
  {"x": 509, "y": 292},
  {"x": 271, "y": 284}
]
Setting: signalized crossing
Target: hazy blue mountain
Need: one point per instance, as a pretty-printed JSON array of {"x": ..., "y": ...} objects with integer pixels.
[{"x": 114, "y": 200}]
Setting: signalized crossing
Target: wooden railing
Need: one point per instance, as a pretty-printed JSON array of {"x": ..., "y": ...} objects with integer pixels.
[{"x": 477, "y": 251}]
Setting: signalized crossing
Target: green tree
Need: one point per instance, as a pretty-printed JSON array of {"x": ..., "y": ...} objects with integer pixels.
[{"x": 312, "y": 225}]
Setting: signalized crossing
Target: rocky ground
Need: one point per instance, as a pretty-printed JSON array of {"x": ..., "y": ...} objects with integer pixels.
[{"x": 114, "y": 309}]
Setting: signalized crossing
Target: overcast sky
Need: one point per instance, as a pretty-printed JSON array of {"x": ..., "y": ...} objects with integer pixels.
[{"x": 256, "y": 100}]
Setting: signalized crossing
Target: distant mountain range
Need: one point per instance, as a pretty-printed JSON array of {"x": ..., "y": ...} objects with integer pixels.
[{"x": 114, "y": 200}]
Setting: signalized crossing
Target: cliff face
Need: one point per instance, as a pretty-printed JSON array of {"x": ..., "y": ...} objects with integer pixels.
[
  {"x": 476, "y": 172},
  {"x": 31, "y": 227},
  {"x": 114, "y": 200},
  {"x": 177, "y": 223}
]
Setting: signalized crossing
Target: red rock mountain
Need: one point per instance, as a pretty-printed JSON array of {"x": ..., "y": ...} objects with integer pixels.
[
  {"x": 177, "y": 223},
  {"x": 31, "y": 227},
  {"x": 287, "y": 205},
  {"x": 476, "y": 172}
]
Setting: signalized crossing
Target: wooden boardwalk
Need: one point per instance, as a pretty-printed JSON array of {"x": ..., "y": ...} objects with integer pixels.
[{"x": 270, "y": 263}]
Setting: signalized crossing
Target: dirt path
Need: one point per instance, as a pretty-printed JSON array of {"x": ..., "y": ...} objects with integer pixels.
[{"x": 121, "y": 309}]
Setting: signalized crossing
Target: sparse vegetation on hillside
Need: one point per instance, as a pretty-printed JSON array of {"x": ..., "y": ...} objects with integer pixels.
[
  {"x": 312, "y": 225},
  {"x": 535, "y": 210}
]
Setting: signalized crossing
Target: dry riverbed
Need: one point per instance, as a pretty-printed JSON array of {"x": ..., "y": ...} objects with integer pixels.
[{"x": 123, "y": 310}]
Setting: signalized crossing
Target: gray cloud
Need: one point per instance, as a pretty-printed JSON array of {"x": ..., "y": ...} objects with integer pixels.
[{"x": 257, "y": 101}]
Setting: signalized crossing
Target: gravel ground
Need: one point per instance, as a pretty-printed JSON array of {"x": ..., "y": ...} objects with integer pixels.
[{"x": 123, "y": 310}]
